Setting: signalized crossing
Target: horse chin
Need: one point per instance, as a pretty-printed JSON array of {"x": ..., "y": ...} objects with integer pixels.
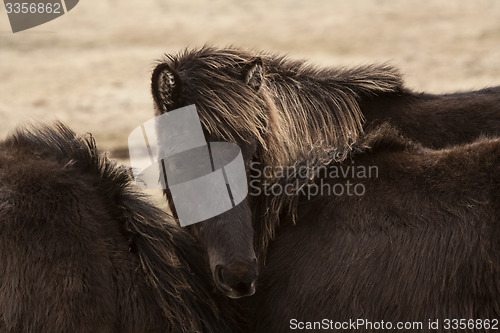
[{"x": 235, "y": 294}]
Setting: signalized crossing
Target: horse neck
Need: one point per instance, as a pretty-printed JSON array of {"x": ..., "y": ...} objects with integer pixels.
[{"x": 303, "y": 121}]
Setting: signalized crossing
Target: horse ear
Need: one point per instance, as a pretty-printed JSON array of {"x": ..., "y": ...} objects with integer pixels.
[
  {"x": 254, "y": 73},
  {"x": 165, "y": 86}
]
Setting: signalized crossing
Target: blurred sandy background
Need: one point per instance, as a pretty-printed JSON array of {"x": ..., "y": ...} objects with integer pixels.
[{"x": 91, "y": 67}]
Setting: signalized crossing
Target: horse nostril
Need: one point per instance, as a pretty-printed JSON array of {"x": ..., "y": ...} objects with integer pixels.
[
  {"x": 219, "y": 277},
  {"x": 236, "y": 280}
]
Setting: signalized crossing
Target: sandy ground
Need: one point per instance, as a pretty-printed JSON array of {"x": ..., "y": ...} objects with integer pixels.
[{"x": 91, "y": 67}]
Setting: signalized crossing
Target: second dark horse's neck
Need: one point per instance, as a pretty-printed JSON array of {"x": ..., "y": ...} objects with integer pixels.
[{"x": 436, "y": 121}]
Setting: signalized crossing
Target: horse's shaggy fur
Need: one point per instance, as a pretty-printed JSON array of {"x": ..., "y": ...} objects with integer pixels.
[
  {"x": 422, "y": 243},
  {"x": 82, "y": 251}
]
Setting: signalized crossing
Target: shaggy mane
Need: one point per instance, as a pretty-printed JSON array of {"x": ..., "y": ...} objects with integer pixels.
[
  {"x": 298, "y": 110},
  {"x": 59, "y": 142}
]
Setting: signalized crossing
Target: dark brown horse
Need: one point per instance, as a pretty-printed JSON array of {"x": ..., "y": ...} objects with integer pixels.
[
  {"x": 82, "y": 251},
  {"x": 282, "y": 112}
]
